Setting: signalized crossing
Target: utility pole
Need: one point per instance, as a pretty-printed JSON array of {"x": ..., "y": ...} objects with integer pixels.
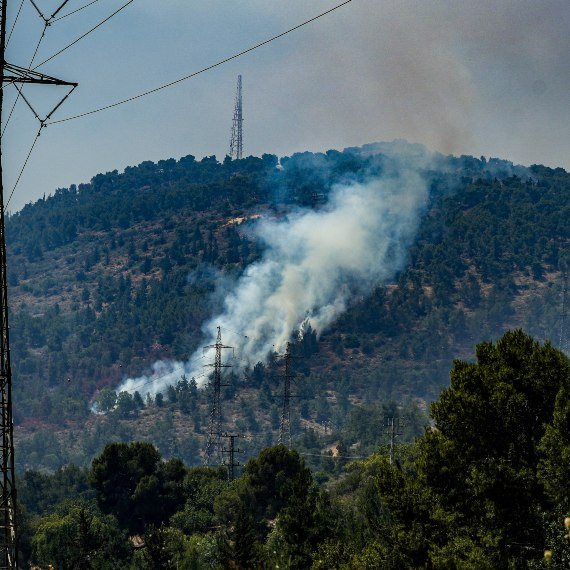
[
  {"x": 214, "y": 445},
  {"x": 236, "y": 142},
  {"x": 17, "y": 76},
  {"x": 231, "y": 464},
  {"x": 394, "y": 428},
  {"x": 285, "y": 424},
  {"x": 563, "y": 334}
]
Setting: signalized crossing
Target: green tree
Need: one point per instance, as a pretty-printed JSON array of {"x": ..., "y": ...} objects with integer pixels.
[
  {"x": 202, "y": 485},
  {"x": 164, "y": 547},
  {"x": 481, "y": 487},
  {"x": 79, "y": 536},
  {"x": 271, "y": 483},
  {"x": 126, "y": 405},
  {"x": 133, "y": 483},
  {"x": 274, "y": 479},
  {"x": 106, "y": 400},
  {"x": 482, "y": 459}
]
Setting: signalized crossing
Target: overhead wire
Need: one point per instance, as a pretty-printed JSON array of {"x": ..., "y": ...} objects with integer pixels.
[
  {"x": 42, "y": 125},
  {"x": 24, "y": 165},
  {"x": 155, "y": 378},
  {"x": 61, "y": 7},
  {"x": 203, "y": 70},
  {"x": 47, "y": 23},
  {"x": 19, "y": 91},
  {"x": 161, "y": 87},
  {"x": 340, "y": 456},
  {"x": 40, "y": 13},
  {"x": 75, "y": 11},
  {"x": 20, "y": 94},
  {"x": 15, "y": 22},
  {"x": 77, "y": 40},
  {"x": 233, "y": 332},
  {"x": 165, "y": 86}
]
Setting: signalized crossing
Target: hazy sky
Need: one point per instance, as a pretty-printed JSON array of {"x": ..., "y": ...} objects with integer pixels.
[{"x": 483, "y": 77}]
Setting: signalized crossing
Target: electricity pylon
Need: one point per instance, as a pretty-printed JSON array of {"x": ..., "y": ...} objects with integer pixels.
[
  {"x": 394, "y": 428},
  {"x": 214, "y": 445},
  {"x": 285, "y": 423},
  {"x": 236, "y": 142},
  {"x": 563, "y": 344},
  {"x": 18, "y": 76},
  {"x": 231, "y": 464}
]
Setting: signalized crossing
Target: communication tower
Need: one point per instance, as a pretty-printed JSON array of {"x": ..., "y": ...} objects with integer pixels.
[{"x": 236, "y": 141}]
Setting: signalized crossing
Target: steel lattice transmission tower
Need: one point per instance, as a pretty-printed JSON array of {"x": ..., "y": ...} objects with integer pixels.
[
  {"x": 214, "y": 445},
  {"x": 285, "y": 424},
  {"x": 563, "y": 317},
  {"x": 231, "y": 463},
  {"x": 17, "y": 76},
  {"x": 236, "y": 142},
  {"x": 394, "y": 428}
]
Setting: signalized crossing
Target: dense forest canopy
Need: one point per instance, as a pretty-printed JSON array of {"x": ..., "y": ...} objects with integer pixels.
[
  {"x": 485, "y": 486},
  {"x": 109, "y": 276}
]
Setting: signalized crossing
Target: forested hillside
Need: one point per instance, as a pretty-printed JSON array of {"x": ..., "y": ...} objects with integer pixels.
[
  {"x": 484, "y": 488},
  {"x": 107, "y": 277}
]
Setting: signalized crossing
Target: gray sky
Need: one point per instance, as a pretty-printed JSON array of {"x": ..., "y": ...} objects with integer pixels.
[{"x": 484, "y": 78}]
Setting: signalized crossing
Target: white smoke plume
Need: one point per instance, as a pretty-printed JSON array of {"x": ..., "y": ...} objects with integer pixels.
[{"x": 315, "y": 263}]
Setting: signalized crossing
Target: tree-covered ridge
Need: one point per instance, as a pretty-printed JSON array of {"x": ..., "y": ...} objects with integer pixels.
[
  {"x": 133, "y": 281},
  {"x": 484, "y": 486}
]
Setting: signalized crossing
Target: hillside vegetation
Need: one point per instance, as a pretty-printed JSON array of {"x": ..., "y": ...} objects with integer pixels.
[
  {"x": 486, "y": 487},
  {"x": 107, "y": 277}
]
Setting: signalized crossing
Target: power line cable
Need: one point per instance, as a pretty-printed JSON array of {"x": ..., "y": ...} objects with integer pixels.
[
  {"x": 19, "y": 91},
  {"x": 234, "y": 332},
  {"x": 165, "y": 86},
  {"x": 75, "y": 11},
  {"x": 38, "y": 45},
  {"x": 47, "y": 22},
  {"x": 40, "y": 13},
  {"x": 84, "y": 35},
  {"x": 61, "y": 7},
  {"x": 15, "y": 22},
  {"x": 203, "y": 70},
  {"x": 335, "y": 456},
  {"x": 42, "y": 125},
  {"x": 155, "y": 378},
  {"x": 24, "y": 166}
]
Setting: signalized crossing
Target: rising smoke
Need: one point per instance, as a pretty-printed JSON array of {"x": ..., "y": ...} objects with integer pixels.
[{"x": 314, "y": 265}]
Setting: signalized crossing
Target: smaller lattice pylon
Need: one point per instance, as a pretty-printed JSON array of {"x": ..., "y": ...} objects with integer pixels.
[
  {"x": 563, "y": 341},
  {"x": 394, "y": 426},
  {"x": 231, "y": 451},
  {"x": 285, "y": 436},
  {"x": 214, "y": 444}
]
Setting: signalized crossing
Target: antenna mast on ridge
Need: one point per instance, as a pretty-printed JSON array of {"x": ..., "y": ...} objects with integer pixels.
[{"x": 236, "y": 142}]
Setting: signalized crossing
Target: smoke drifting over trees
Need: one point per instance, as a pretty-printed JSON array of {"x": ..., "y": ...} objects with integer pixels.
[{"x": 314, "y": 264}]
